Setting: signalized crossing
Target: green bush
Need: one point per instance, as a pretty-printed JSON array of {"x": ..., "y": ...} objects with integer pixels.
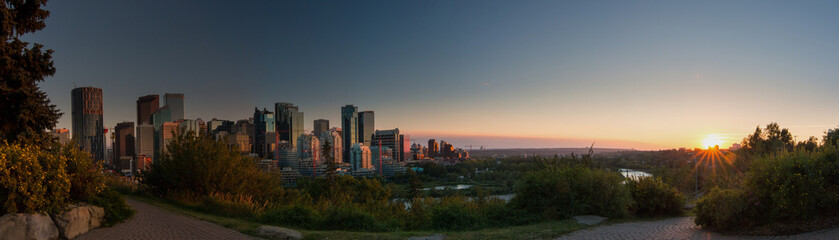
[
  {"x": 351, "y": 218},
  {"x": 86, "y": 178},
  {"x": 565, "y": 192},
  {"x": 725, "y": 209},
  {"x": 296, "y": 215},
  {"x": 455, "y": 215},
  {"x": 116, "y": 210},
  {"x": 652, "y": 197},
  {"x": 32, "y": 180}
]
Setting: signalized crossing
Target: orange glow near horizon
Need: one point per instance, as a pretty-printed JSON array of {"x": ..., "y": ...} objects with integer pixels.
[{"x": 712, "y": 140}]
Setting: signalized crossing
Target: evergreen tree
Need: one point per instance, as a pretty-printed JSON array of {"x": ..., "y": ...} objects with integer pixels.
[{"x": 25, "y": 112}]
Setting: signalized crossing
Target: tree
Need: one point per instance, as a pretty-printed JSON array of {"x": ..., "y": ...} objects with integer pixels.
[
  {"x": 415, "y": 186},
  {"x": 831, "y": 136},
  {"x": 26, "y": 111}
]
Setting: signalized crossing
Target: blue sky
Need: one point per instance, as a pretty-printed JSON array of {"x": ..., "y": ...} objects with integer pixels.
[{"x": 634, "y": 74}]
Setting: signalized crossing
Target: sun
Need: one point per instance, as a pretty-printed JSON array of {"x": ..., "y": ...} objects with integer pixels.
[{"x": 712, "y": 140}]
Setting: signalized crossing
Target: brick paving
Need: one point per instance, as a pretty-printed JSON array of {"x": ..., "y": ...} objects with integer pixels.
[
  {"x": 677, "y": 228},
  {"x": 151, "y": 222}
]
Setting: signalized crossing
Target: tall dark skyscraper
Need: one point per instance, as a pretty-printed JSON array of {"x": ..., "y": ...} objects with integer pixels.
[
  {"x": 146, "y": 106},
  {"x": 289, "y": 122},
  {"x": 366, "y": 126},
  {"x": 321, "y": 126},
  {"x": 123, "y": 144},
  {"x": 88, "y": 129},
  {"x": 433, "y": 148},
  {"x": 263, "y": 121},
  {"x": 349, "y": 123},
  {"x": 391, "y": 139},
  {"x": 175, "y": 101}
]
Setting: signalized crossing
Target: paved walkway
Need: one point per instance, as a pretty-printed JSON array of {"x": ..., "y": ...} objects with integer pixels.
[
  {"x": 151, "y": 222},
  {"x": 677, "y": 228}
]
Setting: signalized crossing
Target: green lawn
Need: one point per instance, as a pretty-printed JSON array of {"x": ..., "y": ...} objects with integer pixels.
[{"x": 547, "y": 229}]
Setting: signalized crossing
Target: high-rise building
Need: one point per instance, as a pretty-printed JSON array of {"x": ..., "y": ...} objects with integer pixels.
[
  {"x": 391, "y": 139},
  {"x": 175, "y": 101},
  {"x": 433, "y": 148},
  {"x": 144, "y": 140},
  {"x": 289, "y": 122},
  {"x": 146, "y": 106},
  {"x": 406, "y": 147},
  {"x": 263, "y": 122},
  {"x": 123, "y": 145},
  {"x": 168, "y": 131},
  {"x": 321, "y": 126},
  {"x": 62, "y": 135},
  {"x": 189, "y": 125},
  {"x": 366, "y": 126},
  {"x": 360, "y": 157},
  {"x": 309, "y": 147},
  {"x": 88, "y": 129},
  {"x": 334, "y": 139},
  {"x": 349, "y": 124},
  {"x": 239, "y": 142}
]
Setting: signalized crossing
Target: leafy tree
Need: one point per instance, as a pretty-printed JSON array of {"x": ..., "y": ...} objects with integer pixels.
[
  {"x": 772, "y": 139},
  {"x": 831, "y": 136},
  {"x": 26, "y": 111},
  {"x": 415, "y": 184}
]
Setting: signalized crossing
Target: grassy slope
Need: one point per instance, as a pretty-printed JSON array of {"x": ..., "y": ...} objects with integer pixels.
[{"x": 548, "y": 229}]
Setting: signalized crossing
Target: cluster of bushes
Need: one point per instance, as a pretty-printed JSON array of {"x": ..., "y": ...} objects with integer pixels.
[
  {"x": 785, "y": 187},
  {"x": 39, "y": 179},
  {"x": 564, "y": 192}
]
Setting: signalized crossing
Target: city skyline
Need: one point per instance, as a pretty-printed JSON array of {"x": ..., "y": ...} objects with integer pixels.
[{"x": 546, "y": 74}]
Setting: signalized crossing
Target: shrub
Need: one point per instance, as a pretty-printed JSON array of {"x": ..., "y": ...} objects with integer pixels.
[
  {"x": 455, "y": 214},
  {"x": 351, "y": 218},
  {"x": 115, "y": 208},
  {"x": 653, "y": 197},
  {"x": 724, "y": 209},
  {"x": 296, "y": 215},
  {"x": 86, "y": 178},
  {"x": 564, "y": 192},
  {"x": 32, "y": 180}
]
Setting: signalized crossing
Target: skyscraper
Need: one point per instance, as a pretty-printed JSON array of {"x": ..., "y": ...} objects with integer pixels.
[
  {"x": 391, "y": 139},
  {"x": 123, "y": 145},
  {"x": 144, "y": 140},
  {"x": 334, "y": 139},
  {"x": 349, "y": 124},
  {"x": 433, "y": 148},
  {"x": 321, "y": 126},
  {"x": 366, "y": 126},
  {"x": 88, "y": 129},
  {"x": 146, "y": 106},
  {"x": 263, "y": 122},
  {"x": 175, "y": 101},
  {"x": 359, "y": 157},
  {"x": 289, "y": 122}
]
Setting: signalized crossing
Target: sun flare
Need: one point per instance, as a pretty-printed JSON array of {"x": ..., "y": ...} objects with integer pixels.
[{"x": 712, "y": 140}]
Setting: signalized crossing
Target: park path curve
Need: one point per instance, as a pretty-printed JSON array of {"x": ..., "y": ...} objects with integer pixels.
[
  {"x": 151, "y": 222},
  {"x": 677, "y": 228}
]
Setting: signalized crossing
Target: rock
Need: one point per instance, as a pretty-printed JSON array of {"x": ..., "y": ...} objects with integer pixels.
[
  {"x": 438, "y": 236},
  {"x": 73, "y": 222},
  {"x": 278, "y": 232},
  {"x": 589, "y": 219},
  {"x": 29, "y": 226},
  {"x": 97, "y": 214}
]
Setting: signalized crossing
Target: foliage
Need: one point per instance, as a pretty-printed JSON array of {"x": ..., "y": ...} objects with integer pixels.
[
  {"x": 26, "y": 111},
  {"x": 831, "y": 136},
  {"x": 86, "y": 179},
  {"x": 565, "y": 192},
  {"x": 772, "y": 139},
  {"x": 787, "y": 187},
  {"x": 32, "y": 179},
  {"x": 116, "y": 210},
  {"x": 653, "y": 197},
  {"x": 725, "y": 209},
  {"x": 198, "y": 164}
]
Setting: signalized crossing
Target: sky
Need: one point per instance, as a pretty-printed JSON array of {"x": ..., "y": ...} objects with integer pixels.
[{"x": 500, "y": 74}]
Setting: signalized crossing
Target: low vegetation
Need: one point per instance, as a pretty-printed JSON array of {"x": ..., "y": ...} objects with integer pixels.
[{"x": 40, "y": 179}]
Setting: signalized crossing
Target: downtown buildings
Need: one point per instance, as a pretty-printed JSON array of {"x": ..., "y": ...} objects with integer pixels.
[{"x": 88, "y": 125}]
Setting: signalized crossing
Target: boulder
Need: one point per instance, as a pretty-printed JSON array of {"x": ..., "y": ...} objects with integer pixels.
[
  {"x": 78, "y": 220},
  {"x": 28, "y": 226},
  {"x": 438, "y": 236},
  {"x": 97, "y": 214},
  {"x": 278, "y": 232}
]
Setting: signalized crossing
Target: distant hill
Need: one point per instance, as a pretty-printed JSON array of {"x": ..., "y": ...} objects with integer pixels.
[{"x": 509, "y": 152}]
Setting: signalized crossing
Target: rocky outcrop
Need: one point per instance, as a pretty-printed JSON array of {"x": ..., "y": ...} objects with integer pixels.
[
  {"x": 28, "y": 226},
  {"x": 278, "y": 232},
  {"x": 78, "y": 220}
]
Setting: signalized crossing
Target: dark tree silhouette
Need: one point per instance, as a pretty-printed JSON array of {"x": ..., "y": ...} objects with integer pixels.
[{"x": 25, "y": 112}]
